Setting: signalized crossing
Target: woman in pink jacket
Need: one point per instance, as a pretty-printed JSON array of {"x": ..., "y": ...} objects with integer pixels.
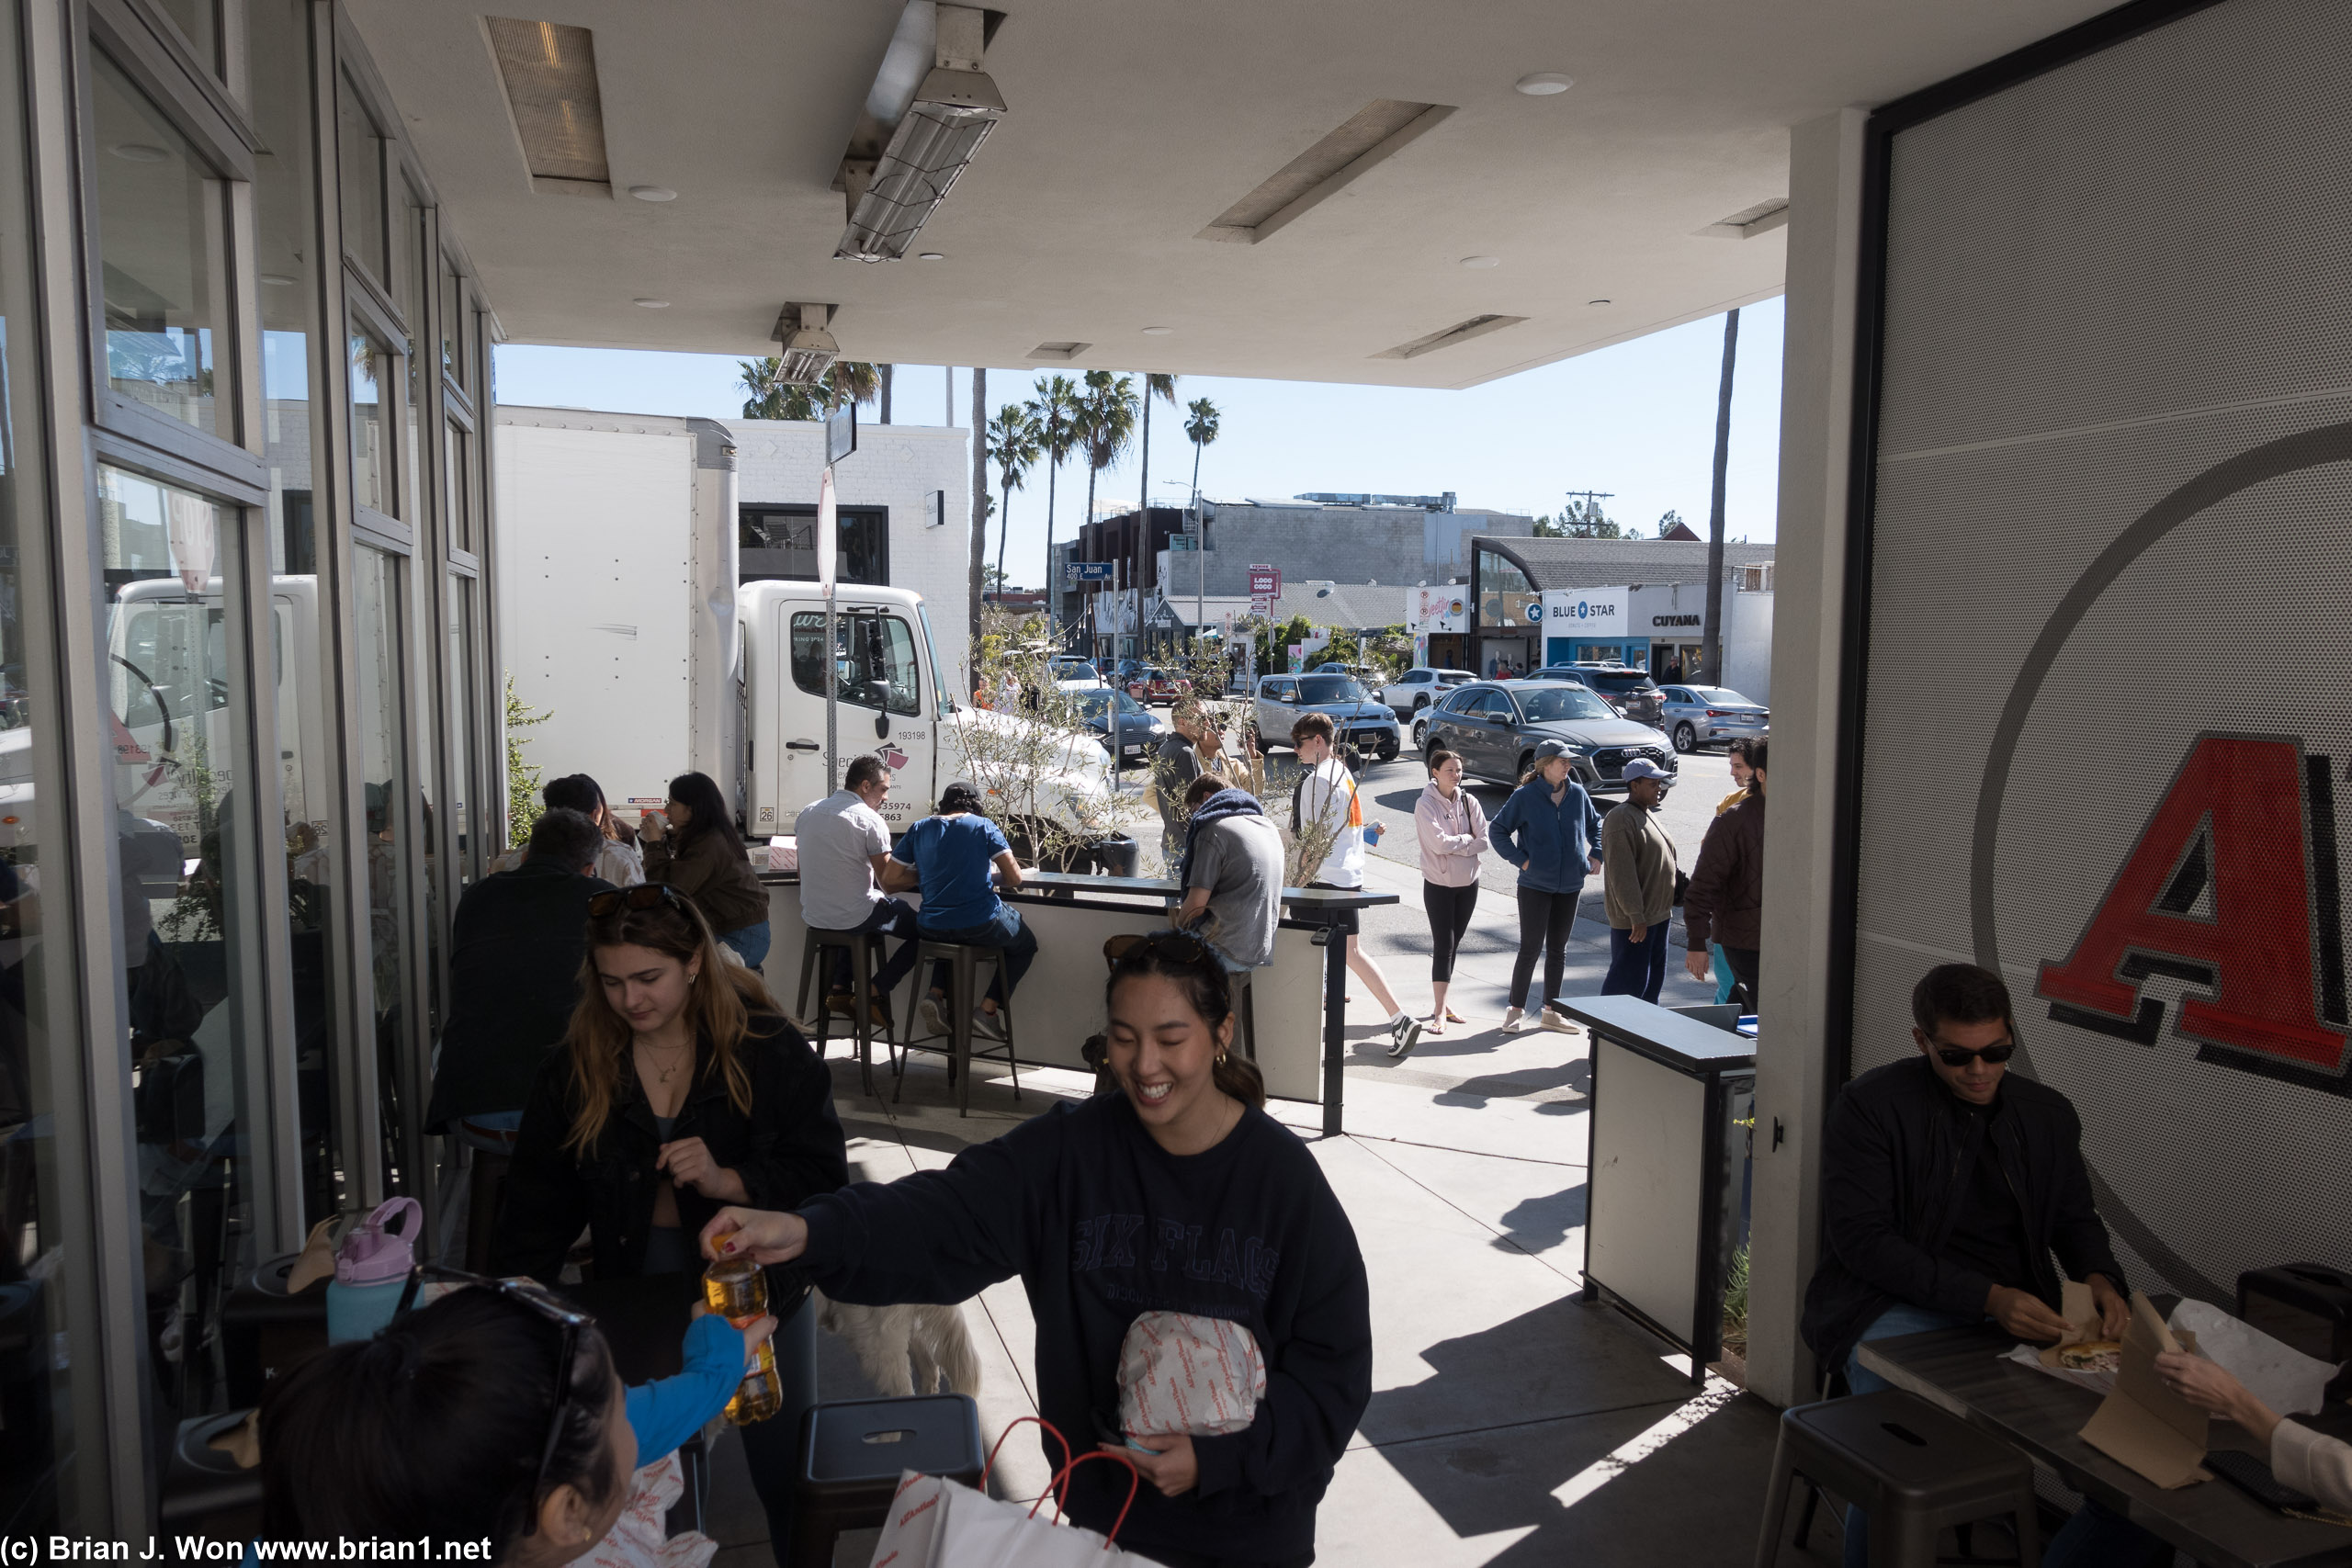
[{"x": 1453, "y": 830}]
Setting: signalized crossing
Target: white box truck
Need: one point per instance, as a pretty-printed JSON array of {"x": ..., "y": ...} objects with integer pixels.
[{"x": 622, "y": 619}]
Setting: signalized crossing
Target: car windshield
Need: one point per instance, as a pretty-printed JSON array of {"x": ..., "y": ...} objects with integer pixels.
[
  {"x": 1618, "y": 680},
  {"x": 1078, "y": 672},
  {"x": 1545, "y": 704},
  {"x": 1330, "y": 688},
  {"x": 1719, "y": 695}
]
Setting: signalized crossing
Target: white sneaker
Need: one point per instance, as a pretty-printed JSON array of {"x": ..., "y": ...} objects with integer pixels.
[
  {"x": 1560, "y": 1022},
  {"x": 930, "y": 1016},
  {"x": 1404, "y": 1033},
  {"x": 987, "y": 1025},
  {"x": 1514, "y": 1020}
]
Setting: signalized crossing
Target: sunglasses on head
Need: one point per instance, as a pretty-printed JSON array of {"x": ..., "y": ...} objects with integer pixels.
[
  {"x": 644, "y": 896},
  {"x": 1183, "y": 947},
  {"x": 536, "y": 1297},
  {"x": 1993, "y": 1055}
]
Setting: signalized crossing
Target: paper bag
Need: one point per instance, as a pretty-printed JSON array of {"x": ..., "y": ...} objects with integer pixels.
[
  {"x": 2143, "y": 1425},
  {"x": 938, "y": 1523},
  {"x": 640, "y": 1537},
  {"x": 2081, "y": 1313}
]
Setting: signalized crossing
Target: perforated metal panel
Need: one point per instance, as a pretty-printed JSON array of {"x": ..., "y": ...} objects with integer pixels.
[{"x": 2114, "y": 515}]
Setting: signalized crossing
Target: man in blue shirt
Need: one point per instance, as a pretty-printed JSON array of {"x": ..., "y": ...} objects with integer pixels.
[{"x": 953, "y": 853}]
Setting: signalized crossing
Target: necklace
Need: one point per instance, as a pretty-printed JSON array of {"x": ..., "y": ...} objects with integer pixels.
[{"x": 662, "y": 1074}]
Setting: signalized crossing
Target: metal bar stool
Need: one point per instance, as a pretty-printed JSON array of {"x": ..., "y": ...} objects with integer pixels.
[
  {"x": 963, "y": 962},
  {"x": 861, "y": 948},
  {"x": 1908, "y": 1466}
]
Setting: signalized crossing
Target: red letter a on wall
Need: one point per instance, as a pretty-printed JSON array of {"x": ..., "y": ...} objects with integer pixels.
[{"x": 2232, "y": 820}]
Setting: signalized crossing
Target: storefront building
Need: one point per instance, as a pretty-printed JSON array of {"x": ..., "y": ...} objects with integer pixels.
[{"x": 247, "y": 695}]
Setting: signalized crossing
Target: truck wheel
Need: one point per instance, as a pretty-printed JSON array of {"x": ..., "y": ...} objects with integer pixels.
[
  {"x": 1389, "y": 746},
  {"x": 1686, "y": 740}
]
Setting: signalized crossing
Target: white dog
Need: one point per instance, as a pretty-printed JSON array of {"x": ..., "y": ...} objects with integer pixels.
[{"x": 906, "y": 1349}]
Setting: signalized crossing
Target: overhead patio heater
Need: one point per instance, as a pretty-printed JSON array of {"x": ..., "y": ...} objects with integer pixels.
[
  {"x": 915, "y": 137},
  {"x": 809, "y": 349}
]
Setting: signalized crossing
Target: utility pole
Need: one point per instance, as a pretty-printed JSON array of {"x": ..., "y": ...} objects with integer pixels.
[
  {"x": 1592, "y": 498},
  {"x": 949, "y": 417},
  {"x": 886, "y": 393},
  {"x": 1712, "y": 635},
  {"x": 979, "y": 501}
]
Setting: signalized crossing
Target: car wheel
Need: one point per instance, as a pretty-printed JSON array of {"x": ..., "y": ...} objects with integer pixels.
[
  {"x": 1526, "y": 766},
  {"x": 1686, "y": 740},
  {"x": 1258, "y": 739},
  {"x": 1420, "y": 702},
  {"x": 1389, "y": 746},
  {"x": 1421, "y": 735}
]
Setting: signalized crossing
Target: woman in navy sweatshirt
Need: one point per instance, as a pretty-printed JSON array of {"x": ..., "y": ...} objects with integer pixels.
[{"x": 1177, "y": 1193}]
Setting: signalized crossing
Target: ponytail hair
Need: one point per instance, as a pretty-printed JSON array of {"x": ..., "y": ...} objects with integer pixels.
[{"x": 1201, "y": 979}]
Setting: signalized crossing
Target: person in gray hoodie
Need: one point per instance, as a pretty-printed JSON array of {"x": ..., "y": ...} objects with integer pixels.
[{"x": 1451, "y": 826}]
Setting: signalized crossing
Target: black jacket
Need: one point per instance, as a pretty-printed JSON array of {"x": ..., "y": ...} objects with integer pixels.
[
  {"x": 1895, "y": 1162},
  {"x": 788, "y": 1150},
  {"x": 514, "y": 955}
]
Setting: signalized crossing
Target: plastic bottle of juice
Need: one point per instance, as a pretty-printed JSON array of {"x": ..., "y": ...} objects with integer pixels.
[{"x": 738, "y": 1291}]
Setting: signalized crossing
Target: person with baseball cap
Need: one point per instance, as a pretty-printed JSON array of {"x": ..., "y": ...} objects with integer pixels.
[
  {"x": 1550, "y": 829},
  {"x": 1637, "y": 876}
]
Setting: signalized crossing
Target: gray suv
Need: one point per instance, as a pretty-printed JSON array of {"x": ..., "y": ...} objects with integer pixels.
[
  {"x": 1357, "y": 716},
  {"x": 1704, "y": 715},
  {"x": 1627, "y": 689},
  {"x": 1494, "y": 727}
]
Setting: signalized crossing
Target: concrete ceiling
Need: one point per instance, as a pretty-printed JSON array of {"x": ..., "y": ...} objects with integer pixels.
[{"x": 1132, "y": 124}]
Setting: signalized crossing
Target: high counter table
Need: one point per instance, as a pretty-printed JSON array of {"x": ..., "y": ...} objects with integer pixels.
[{"x": 1059, "y": 1002}]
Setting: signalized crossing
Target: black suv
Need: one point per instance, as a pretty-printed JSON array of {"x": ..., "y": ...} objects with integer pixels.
[{"x": 1630, "y": 691}]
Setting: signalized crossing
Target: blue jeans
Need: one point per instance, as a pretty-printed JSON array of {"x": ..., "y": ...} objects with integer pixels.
[
  {"x": 1901, "y": 1318},
  {"x": 1636, "y": 968},
  {"x": 750, "y": 942},
  {"x": 1003, "y": 930},
  {"x": 889, "y": 917}
]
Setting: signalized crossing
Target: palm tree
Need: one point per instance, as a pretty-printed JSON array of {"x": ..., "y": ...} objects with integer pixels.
[
  {"x": 847, "y": 381},
  {"x": 1106, "y": 424},
  {"x": 1201, "y": 431},
  {"x": 1162, "y": 386},
  {"x": 1054, "y": 413},
  {"x": 1014, "y": 442}
]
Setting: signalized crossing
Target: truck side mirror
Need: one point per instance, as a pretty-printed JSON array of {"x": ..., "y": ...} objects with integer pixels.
[{"x": 881, "y": 726}]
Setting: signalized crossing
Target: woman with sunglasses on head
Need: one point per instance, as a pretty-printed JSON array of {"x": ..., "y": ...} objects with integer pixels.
[
  {"x": 691, "y": 844},
  {"x": 680, "y": 1088},
  {"x": 1175, "y": 1193}
]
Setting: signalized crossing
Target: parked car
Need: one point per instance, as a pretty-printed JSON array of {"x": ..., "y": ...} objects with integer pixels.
[
  {"x": 1152, "y": 684},
  {"x": 1075, "y": 675},
  {"x": 1357, "y": 718},
  {"x": 1419, "y": 687},
  {"x": 1138, "y": 730},
  {"x": 1495, "y": 729},
  {"x": 1624, "y": 687},
  {"x": 1706, "y": 716}
]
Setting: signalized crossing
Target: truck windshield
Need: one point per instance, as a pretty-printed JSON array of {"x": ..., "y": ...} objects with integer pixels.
[
  {"x": 874, "y": 660},
  {"x": 930, "y": 647}
]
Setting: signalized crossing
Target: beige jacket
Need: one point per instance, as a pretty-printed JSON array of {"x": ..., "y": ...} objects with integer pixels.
[
  {"x": 1636, "y": 868},
  {"x": 2318, "y": 1466}
]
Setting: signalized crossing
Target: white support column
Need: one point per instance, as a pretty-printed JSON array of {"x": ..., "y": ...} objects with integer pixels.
[{"x": 1816, "y": 417}]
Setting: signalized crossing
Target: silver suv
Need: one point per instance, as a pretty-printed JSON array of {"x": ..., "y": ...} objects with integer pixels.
[{"x": 1357, "y": 716}]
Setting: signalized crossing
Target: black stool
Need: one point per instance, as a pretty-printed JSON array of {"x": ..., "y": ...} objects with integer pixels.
[
  {"x": 1912, "y": 1470},
  {"x": 963, "y": 961},
  {"x": 205, "y": 1492},
  {"x": 852, "y": 1452},
  {"x": 861, "y": 948}
]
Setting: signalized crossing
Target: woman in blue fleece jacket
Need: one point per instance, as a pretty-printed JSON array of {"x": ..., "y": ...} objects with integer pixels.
[
  {"x": 1550, "y": 831},
  {"x": 1176, "y": 1194}
]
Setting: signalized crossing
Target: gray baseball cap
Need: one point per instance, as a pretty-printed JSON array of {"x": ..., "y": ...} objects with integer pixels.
[
  {"x": 1643, "y": 768},
  {"x": 1547, "y": 750}
]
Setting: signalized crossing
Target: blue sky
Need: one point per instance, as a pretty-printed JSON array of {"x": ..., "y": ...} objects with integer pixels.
[{"x": 1636, "y": 420}]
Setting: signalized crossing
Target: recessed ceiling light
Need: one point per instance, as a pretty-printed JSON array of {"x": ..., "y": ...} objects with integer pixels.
[
  {"x": 139, "y": 152},
  {"x": 654, "y": 304},
  {"x": 277, "y": 280},
  {"x": 1543, "y": 83},
  {"x": 1157, "y": 332},
  {"x": 930, "y": 255},
  {"x": 653, "y": 193},
  {"x": 1481, "y": 262},
  {"x": 1596, "y": 301}
]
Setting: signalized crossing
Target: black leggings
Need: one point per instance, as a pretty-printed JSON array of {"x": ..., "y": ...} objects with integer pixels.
[
  {"x": 1544, "y": 919},
  {"x": 1449, "y": 910}
]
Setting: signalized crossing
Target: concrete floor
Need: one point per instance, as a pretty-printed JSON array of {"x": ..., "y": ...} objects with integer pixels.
[{"x": 1510, "y": 1423}]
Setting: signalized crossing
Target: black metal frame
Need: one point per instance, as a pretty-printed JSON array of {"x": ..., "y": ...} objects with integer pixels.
[{"x": 2077, "y": 42}]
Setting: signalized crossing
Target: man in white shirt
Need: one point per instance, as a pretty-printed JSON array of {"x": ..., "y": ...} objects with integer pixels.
[
  {"x": 622, "y": 865},
  {"x": 847, "y": 877},
  {"x": 1328, "y": 826}
]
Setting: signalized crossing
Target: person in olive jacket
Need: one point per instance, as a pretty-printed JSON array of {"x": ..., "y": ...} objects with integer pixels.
[{"x": 681, "y": 1089}]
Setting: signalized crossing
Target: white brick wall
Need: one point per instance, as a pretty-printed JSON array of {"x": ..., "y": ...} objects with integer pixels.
[{"x": 895, "y": 465}]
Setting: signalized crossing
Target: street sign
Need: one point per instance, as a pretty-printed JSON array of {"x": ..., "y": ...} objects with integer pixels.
[
  {"x": 840, "y": 434},
  {"x": 1092, "y": 570},
  {"x": 1265, "y": 582}
]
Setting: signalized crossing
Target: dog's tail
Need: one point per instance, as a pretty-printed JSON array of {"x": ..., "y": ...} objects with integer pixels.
[{"x": 957, "y": 1360}]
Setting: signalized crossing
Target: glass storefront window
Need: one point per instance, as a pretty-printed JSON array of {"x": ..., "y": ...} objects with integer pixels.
[
  {"x": 416, "y": 264},
  {"x": 162, "y": 245},
  {"x": 453, "y": 326},
  {"x": 361, "y": 154},
  {"x": 371, "y": 478},
  {"x": 279, "y": 40},
  {"x": 199, "y": 23},
  {"x": 382, "y": 675},
  {"x": 457, "y": 457},
  {"x": 461, "y": 719},
  {"x": 197, "y": 1052},
  {"x": 1505, "y": 596}
]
